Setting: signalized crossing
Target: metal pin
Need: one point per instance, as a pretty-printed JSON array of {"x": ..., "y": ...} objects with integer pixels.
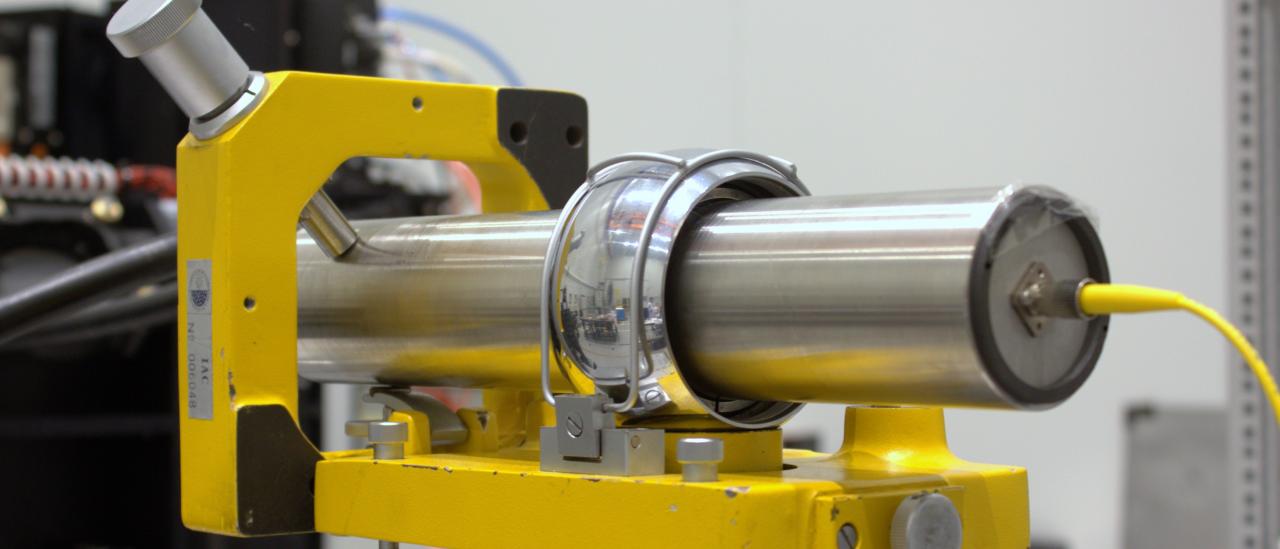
[
  {"x": 700, "y": 458},
  {"x": 388, "y": 438},
  {"x": 327, "y": 226}
]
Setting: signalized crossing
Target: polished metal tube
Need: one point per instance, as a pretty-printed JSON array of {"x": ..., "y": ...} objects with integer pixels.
[
  {"x": 893, "y": 299},
  {"x": 444, "y": 301},
  {"x": 900, "y": 298}
]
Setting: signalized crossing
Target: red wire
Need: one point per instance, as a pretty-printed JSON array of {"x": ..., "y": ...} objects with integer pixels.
[{"x": 158, "y": 180}]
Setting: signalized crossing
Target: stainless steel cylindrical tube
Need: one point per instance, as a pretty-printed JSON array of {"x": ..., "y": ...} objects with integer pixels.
[
  {"x": 901, "y": 298},
  {"x": 891, "y": 299},
  {"x": 442, "y": 301}
]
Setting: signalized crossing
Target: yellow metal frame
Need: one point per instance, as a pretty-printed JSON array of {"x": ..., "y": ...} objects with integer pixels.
[{"x": 240, "y": 199}]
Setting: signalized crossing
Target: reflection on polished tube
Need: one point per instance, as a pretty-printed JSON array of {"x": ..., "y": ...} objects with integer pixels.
[
  {"x": 894, "y": 299},
  {"x": 444, "y": 301}
]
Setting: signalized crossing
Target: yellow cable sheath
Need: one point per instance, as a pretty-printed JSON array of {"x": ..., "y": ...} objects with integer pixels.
[
  {"x": 1105, "y": 299},
  {"x": 1102, "y": 299}
]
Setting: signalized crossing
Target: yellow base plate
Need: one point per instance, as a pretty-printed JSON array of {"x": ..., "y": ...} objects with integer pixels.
[{"x": 502, "y": 499}]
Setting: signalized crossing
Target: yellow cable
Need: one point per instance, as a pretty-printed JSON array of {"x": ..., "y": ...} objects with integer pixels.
[{"x": 1103, "y": 299}]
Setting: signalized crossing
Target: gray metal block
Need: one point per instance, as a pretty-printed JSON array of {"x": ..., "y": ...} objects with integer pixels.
[{"x": 1177, "y": 485}]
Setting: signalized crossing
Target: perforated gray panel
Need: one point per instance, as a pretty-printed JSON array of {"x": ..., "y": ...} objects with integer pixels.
[{"x": 1253, "y": 104}]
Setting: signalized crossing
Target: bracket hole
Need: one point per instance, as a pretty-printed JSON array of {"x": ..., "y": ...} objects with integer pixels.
[
  {"x": 250, "y": 303},
  {"x": 519, "y": 132},
  {"x": 573, "y": 136},
  {"x": 417, "y": 104}
]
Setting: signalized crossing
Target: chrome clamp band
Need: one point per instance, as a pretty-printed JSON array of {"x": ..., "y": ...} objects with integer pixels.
[{"x": 613, "y": 189}]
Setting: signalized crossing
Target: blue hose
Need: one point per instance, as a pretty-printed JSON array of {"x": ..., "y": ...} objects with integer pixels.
[{"x": 459, "y": 34}]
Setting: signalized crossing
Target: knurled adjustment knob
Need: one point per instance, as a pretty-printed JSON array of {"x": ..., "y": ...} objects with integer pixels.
[{"x": 184, "y": 50}]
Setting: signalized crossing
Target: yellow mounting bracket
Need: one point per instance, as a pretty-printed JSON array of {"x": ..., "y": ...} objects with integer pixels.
[
  {"x": 499, "y": 497},
  {"x": 246, "y": 467}
]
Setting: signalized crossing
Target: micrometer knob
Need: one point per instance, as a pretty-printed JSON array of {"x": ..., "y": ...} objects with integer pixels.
[{"x": 184, "y": 50}]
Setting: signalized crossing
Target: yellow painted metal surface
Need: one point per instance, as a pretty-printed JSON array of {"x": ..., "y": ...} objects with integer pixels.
[
  {"x": 240, "y": 198},
  {"x": 880, "y": 444},
  {"x": 502, "y": 499}
]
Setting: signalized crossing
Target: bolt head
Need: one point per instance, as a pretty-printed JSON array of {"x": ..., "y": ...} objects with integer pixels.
[{"x": 700, "y": 450}]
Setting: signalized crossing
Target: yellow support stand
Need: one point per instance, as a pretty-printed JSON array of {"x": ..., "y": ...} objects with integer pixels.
[{"x": 248, "y": 470}]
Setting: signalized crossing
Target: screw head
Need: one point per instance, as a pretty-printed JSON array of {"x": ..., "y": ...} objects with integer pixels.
[
  {"x": 847, "y": 537},
  {"x": 573, "y": 425}
]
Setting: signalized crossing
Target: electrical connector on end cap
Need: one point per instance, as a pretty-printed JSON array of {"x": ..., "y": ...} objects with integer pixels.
[{"x": 1038, "y": 298}]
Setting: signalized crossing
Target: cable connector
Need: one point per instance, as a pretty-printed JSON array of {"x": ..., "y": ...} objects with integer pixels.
[{"x": 1038, "y": 298}]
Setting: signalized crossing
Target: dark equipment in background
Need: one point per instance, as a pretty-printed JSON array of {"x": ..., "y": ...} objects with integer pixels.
[{"x": 71, "y": 449}]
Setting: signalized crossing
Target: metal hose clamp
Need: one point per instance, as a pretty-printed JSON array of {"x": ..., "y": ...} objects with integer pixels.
[{"x": 781, "y": 181}]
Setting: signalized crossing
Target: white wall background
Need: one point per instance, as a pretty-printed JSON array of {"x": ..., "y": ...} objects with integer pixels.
[{"x": 1119, "y": 103}]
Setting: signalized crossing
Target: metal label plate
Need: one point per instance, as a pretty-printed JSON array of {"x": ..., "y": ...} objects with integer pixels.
[{"x": 199, "y": 297}]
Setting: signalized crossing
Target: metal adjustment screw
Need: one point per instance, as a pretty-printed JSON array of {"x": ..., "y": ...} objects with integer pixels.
[
  {"x": 700, "y": 458},
  {"x": 926, "y": 521},
  {"x": 847, "y": 537},
  {"x": 193, "y": 61},
  {"x": 573, "y": 425}
]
